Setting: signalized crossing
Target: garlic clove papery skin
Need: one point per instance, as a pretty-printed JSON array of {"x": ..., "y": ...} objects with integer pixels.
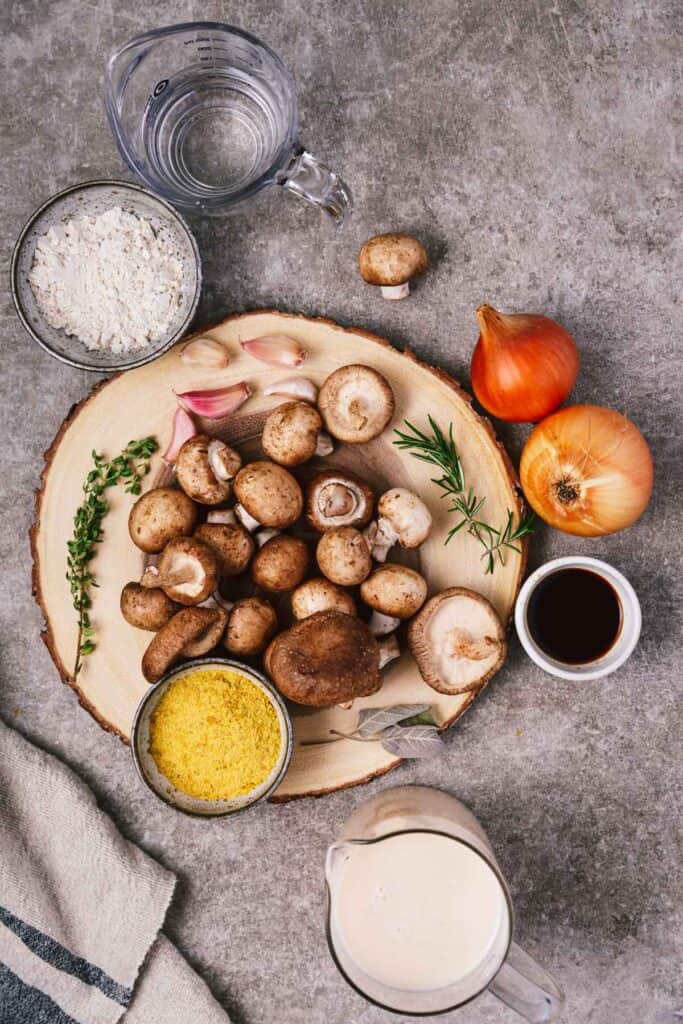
[
  {"x": 395, "y": 291},
  {"x": 276, "y": 350},
  {"x": 325, "y": 445},
  {"x": 300, "y": 388},
  {"x": 205, "y": 352},
  {"x": 247, "y": 520},
  {"x": 183, "y": 429},
  {"x": 217, "y": 403}
]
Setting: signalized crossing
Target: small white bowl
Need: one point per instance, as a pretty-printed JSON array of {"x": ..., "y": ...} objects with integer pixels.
[{"x": 618, "y": 653}]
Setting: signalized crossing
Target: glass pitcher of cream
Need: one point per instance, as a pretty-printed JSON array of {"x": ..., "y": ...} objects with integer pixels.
[{"x": 419, "y": 916}]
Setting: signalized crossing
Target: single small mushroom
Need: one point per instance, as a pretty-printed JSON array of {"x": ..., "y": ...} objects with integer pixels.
[
  {"x": 232, "y": 546},
  {"x": 457, "y": 640},
  {"x": 267, "y": 495},
  {"x": 356, "y": 403},
  {"x": 281, "y": 564},
  {"x": 187, "y": 571},
  {"x": 326, "y": 659},
  {"x": 251, "y": 624},
  {"x": 169, "y": 644},
  {"x": 205, "y": 468},
  {"x": 337, "y": 498},
  {"x": 212, "y": 635},
  {"x": 394, "y": 592},
  {"x": 402, "y": 518},
  {"x": 159, "y": 516},
  {"x": 392, "y": 261},
  {"x": 293, "y": 434},
  {"x": 321, "y": 595},
  {"x": 146, "y": 609},
  {"x": 343, "y": 556}
]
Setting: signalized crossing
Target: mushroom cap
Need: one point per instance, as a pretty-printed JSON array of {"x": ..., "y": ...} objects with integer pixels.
[
  {"x": 231, "y": 544},
  {"x": 251, "y": 624},
  {"x": 408, "y": 514},
  {"x": 191, "y": 556},
  {"x": 160, "y": 515},
  {"x": 281, "y": 564},
  {"x": 457, "y": 640},
  {"x": 343, "y": 556},
  {"x": 356, "y": 403},
  {"x": 168, "y": 645},
  {"x": 195, "y": 475},
  {"x": 392, "y": 259},
  {"x": 210, "y": 638},
  {"x": 327, "y": 659},
  {"x": 145, "y": 608},
  {"x": 394, "y": 590},
  {"x": 290, "y": 433},
  {"x": 269, "y": 493},
  {"x": 337, "y": 498},
  {"x": 321, "y": 595}
]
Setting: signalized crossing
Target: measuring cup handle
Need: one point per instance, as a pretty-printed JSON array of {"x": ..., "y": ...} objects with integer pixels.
[
  {"x": 526, "y": 987},
  {"x": 307, "y": 178}
]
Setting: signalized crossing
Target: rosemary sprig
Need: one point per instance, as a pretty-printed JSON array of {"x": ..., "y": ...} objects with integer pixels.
[
  {"x": 129, "y": 467},
  {"x": 440, "y": 451}
]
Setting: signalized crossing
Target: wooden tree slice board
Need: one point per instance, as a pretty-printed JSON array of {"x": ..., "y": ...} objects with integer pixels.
[{"x": 142, "y": 402}]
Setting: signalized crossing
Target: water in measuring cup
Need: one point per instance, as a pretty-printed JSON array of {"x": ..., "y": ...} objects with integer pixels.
[{"x": 213, "y": 132}]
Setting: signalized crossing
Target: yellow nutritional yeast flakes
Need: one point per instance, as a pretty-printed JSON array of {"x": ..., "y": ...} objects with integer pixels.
[{"x": 215, "y": 734}]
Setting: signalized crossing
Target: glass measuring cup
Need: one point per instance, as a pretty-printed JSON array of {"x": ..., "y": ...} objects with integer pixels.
[
  {"x": 206, "y": 115},
  {"x": 362, "y": 881}
]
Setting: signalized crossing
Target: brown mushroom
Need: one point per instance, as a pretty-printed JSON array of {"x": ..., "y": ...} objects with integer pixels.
[
  {"x": 159, "y": 516},
  {"x": 281, "y": 564},
  {"x": 394, "y": 592},
  {"x": 457, "y": 640},
  {"x": 321, "y": 595},
  {"x": 251, "y": 624},
  {"x": 327, "y": 659},
  {"x": 337, "y": 498},
  {"x": 231, "y": 544},
  {"x": 145, "y": 608},
  {"x": 267, "y": 495},
  {"x": 402, "y": 518},
  {"x": 293, "y": 434},
  {"x": 205, "y": 467},
  {"x": 168, "y": 645},
  {"x": 356, "y": 403},
  {"x": 392, "y": 261},
  {"x": 212, "y": 635},
  {"x": 343, "y": 556},
  {"x": 186, "y": 572}
]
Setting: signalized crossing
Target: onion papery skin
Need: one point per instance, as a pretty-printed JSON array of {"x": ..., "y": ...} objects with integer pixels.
[
  {"x": 587, "y": 470},
  {"x": 524, "y": 366}
]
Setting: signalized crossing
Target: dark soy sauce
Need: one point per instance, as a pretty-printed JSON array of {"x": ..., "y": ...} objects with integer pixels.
[{"x": 574, "y": 615}]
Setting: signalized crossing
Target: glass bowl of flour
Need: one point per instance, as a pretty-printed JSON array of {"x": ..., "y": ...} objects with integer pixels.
[{"x": 106, "y": 276}]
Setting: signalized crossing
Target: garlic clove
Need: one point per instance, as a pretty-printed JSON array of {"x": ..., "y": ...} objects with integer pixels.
[
  {"x": 224, "y": 461},
  {"x": 294, "y": 387},
  {"x": 221, "y": 515},
  {"x": 275, "y": 349},
  {"x": 183, "y": 429},
  {"x": 325, "y": 445},
  {"x": 205, "y": 352},
  {"x": 215, "y": 404}
]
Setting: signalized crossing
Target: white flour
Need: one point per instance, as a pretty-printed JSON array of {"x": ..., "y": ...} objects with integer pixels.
[{"x": 108, "y": 280}]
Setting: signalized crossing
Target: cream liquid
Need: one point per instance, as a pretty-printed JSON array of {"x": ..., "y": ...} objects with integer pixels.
[{"x": 417, "y": 912}]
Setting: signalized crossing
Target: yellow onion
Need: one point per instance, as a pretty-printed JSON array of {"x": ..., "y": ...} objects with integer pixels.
[{"x": 587, "y": 470}]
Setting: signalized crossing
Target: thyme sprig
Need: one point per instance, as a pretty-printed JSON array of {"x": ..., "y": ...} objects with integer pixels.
[
  {"x": 440, "y": 451},
  {"x": 129, "y": 467}
]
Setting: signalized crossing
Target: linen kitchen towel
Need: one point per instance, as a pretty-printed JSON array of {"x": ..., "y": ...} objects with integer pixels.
[{"x": 81, "y": 909}]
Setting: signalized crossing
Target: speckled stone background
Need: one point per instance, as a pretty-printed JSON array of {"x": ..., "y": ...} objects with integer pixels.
[{"x": 533, "y": 146}]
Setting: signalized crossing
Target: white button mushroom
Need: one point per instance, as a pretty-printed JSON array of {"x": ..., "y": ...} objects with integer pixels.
[
  {"x": 343, "y": 556},
  {"x": 394, "y": 592},
  {"x": 293, "y": 434},
  {"x": 356, "y": 403},
  {"x": 337, "y": 498},
  {"x": 391, "y": 261},
  {"x": 403, "y": 519},
  {"x": 267, "y": 495}
]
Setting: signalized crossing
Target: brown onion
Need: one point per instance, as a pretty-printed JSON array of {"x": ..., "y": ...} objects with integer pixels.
[
  {"x": 524, "y": 366},
  {"x": 587, "y": 470}
]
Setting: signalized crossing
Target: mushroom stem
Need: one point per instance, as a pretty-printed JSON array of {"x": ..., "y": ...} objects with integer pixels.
[
  {"x": 381, "y": 624},
  {"x": 222, "y": 601},
  {"x": 225, "y": 516},
  {"x": 263, "y": 536},
  {"x": 152, "y": 578},
  {"x": 324, "y": 445},
  {"x": 247, "y": 520},
  {"x": 224, "y": 462},
  {"x": 381, "y": 537},
  {"x": 388, "y": 650},
  {"x": 395, "y": 291}
]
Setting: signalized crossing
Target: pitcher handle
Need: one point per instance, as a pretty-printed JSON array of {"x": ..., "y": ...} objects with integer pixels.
[
  {"x": 313, "y": 181},
  {"x": 526, "y": 987}
]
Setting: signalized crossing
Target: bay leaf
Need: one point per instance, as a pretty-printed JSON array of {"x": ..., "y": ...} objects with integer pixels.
[
  {"x": 412, "y": 741},
  {"x": 373, "y": 720}
]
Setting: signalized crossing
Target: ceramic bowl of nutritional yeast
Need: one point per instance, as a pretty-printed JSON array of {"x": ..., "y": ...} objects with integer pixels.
[
  {"x": 212, "y": 737},
  {"x": 106, "y": 276}
]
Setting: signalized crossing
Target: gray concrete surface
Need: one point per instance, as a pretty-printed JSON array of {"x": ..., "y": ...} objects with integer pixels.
[{"x": 533, "y": 146}]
